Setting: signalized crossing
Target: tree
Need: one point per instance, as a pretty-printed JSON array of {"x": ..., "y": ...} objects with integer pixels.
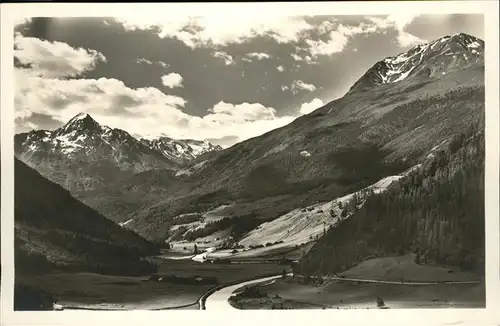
[
  {"x": 283, "y": 274},
  {"x": 380, "y": 302},
  {"x": 195, "y": 249},
  {"x": 417, "y": 256}
]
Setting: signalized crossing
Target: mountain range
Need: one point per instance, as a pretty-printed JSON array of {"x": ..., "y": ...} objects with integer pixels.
[
  {"x": 82, "y": 154},
  {"x": 392, "y": 120},
  {"x": 182, "y": 150}
]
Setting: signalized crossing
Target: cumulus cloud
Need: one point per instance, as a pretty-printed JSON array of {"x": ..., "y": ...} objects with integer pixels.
[
  {"x": 399, "y": 23},
  {"x": 163, "y": 64},
  {"x": 296, "y": 57},
  {"x": 172, "y": 80},
  {"x": 143, "y": 111},
  {"x": 213, "y": 29},
  {"x": 309, "y": 107},
  {"x": 145, "y": 61},
  {"x": 258, "y": 55},
  {"x": 22, "y": 21},
  {"x": 307, "y": 58},
  {"x": 227, "y": 112},
  {"x": 228, "y": 59},
  {"x": 326, "y": 26},
  {"x": 244, "y": 120},
  {"x": 54, "y": 59},
  {"x": 280, "y": 68},
  {"x": 335, "y": 44},
  {"x": 299, "y": 85},
  {"x": 149, "y": 62},
  {"x": 337, "y": 37},
  {"x": 64, "y": 98}
]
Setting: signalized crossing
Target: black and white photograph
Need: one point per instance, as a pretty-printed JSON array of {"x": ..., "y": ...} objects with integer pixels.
[{"x": 249, "y": 161}]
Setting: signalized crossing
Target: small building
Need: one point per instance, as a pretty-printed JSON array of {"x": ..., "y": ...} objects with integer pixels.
[{"x": 277, "y": 302}]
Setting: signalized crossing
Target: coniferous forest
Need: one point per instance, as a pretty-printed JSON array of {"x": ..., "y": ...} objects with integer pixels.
[{"x": 436, "y": 212}]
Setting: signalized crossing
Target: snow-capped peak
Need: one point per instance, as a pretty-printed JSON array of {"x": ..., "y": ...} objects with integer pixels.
[
  {"x": 81, "y": 121},
  {"x": 432, "y": 59},
  {"x": 180, "y": 149},
  {"x": 82, "y": 137},
  {"x": 80, "y": 116}
]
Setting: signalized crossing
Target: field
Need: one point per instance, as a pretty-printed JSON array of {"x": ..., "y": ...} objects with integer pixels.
[
  {"x": 342, "y": 294},
  {"x": 224, "y": 272},
  {"x": 94, "y": 291},
  {"x": 295, "y": 292}
]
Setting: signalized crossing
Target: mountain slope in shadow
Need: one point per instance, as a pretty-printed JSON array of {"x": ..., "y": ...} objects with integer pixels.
[{"x": 56, "y": 232}]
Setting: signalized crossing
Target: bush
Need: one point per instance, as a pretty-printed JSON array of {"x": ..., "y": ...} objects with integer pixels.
[
  {"x": 251, "y": 292},
  {"x": 221, "y": 261},
  {"x": 191, "y": 280}
]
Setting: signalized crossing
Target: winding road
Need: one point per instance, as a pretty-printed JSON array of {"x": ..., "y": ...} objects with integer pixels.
[
  {"x": 400, "y": 282},
  {"x": 218, "y": 298}
]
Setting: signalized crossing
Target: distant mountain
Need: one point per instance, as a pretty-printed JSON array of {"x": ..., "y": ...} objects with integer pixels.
[
  {"x": 54, "y": 231},
  {"x": 83, "y": 154},
  {"x": 433, "y": 59},
  {"x": 376, "y": 130},
  {"x": 82, "y": 137},
  {"x": 182, "y": 149}
]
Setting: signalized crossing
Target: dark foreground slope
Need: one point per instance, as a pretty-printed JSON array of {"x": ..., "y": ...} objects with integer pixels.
[
  {"x": 436, "y": 212},
  {"x": 54, "y": 231}
]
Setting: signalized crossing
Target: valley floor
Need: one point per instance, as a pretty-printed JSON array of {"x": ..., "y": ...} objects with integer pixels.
[
  {"x": 94, "y": 291},
  {"x": 351, "y": 295},
  {"x": 377, "y": 278},
  {"x": 398, "y": 280}
]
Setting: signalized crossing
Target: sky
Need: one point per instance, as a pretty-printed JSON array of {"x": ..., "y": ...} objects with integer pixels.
[{"x": 220, "y": 78}]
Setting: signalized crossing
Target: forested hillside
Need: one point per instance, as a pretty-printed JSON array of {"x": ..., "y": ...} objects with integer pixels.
[
  {"x": 437, "y": 212},
  {"x": 54, "y": 231}
]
